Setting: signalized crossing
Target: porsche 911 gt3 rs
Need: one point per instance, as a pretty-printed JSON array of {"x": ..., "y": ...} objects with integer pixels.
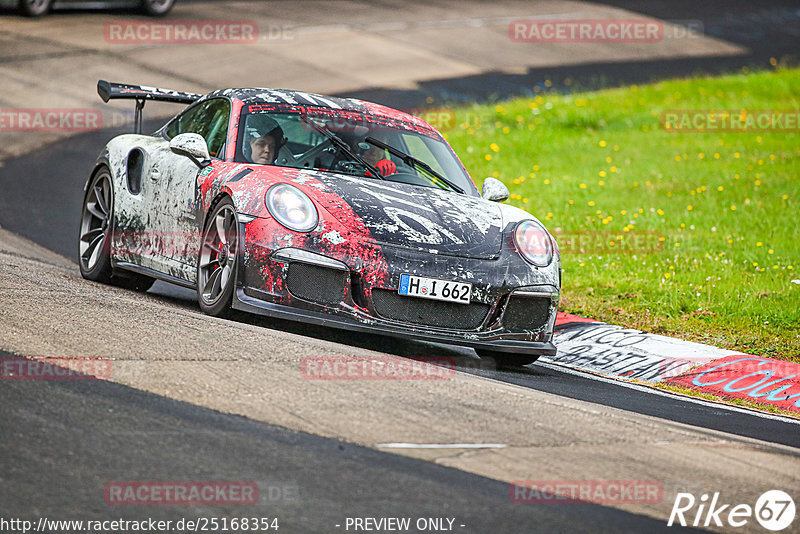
[{"x": 326, "y": 210}]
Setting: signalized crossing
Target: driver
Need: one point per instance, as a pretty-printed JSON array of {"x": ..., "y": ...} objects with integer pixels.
[
  {"x": 376, "y": 157},
  {"x": 264, "y": 147}
]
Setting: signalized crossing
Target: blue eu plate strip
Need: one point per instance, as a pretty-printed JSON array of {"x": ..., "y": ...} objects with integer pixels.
[{"x": 403, "y": 290}]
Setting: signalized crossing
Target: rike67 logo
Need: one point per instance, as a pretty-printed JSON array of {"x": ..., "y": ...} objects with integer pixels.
[{"x": 774, "y": 510}]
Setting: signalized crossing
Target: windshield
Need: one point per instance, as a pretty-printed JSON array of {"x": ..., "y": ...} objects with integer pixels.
[{"x": 344, "y": 142}]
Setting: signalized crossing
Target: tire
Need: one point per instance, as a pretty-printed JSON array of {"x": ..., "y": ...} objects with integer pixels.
[
  {"x": 157, "y": 8},
  {"x": 507, "y": 359},
  {"x": 218, "y": 260},
  {"x": 94, "y": 242},
  {"x": 35, "y": 8},
  {"x": 94, "y": 257}
]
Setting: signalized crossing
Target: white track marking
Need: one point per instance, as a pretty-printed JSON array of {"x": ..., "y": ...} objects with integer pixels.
[{"x": 441, "y": 445}]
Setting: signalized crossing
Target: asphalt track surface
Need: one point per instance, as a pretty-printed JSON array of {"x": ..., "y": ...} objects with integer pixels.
[
  {"x": 80, "y": 435},
  {"x": 83, "y": 434}
]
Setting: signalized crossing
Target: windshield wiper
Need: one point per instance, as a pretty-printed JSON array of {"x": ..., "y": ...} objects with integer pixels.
[
  {"x": 409, "y": 159},
  {"x": 333, "y": 138}
]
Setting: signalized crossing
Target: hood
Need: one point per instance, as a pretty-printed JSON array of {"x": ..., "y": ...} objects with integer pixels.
[{"x": 421, "y": 218}]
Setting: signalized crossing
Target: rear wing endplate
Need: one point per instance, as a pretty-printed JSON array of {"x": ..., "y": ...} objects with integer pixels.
[{"x": 112, "y": 91}]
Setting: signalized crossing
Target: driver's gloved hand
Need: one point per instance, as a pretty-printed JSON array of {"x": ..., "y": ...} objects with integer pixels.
[{"x": 386, "y": 167}]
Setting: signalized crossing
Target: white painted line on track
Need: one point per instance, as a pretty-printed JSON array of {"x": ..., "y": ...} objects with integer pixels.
[
  {"x": 655, "y": 391},
  {"x": 441, "y": 445}
]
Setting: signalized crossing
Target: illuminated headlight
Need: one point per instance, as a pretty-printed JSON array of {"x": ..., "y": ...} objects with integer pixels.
[
  {"x": 292, "y": 208},
  {"x": 534, "y": 243}
]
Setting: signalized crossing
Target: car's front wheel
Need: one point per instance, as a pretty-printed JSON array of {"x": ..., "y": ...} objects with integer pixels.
[
  {"x": 507, "y": 359},
  {"x": 157, "y": 8},
  {"x": 94, "y": 245},
  {"x": 35, "y": 8},
  {"x": 216, "y": 263}
]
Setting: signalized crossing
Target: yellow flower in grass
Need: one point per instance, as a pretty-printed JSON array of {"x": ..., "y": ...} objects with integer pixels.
[
  {"x": 689, "y": 208},
  {"x": 591, "y": 202},
  {"x": 602, "y": 143},
  {"x": 667, "y": 275},
  {"x": 494, "y": 147}
]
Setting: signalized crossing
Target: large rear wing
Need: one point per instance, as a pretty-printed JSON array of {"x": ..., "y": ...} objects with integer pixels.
[{"x": 112, "y": 91}]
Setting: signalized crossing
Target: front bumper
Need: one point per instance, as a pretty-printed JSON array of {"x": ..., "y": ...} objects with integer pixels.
[
  {"x": 478, "y": 340},
  {"x": 353, "y": 286}
]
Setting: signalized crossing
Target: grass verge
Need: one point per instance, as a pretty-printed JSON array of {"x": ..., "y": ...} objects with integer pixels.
[{"x": 694, "y": 235}]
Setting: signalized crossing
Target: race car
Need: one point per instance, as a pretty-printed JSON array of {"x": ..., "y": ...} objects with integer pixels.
[
  {"x": 37, "y": 8},
  {"x": 326, "y": 210}
]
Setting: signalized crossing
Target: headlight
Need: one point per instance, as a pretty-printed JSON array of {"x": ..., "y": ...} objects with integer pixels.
[
  {"x": 534, "y": 243},
  {"x": 292, "y": 208}
]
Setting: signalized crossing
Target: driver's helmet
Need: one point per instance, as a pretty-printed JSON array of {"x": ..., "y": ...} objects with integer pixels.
[{"x": 259, "y": 125}]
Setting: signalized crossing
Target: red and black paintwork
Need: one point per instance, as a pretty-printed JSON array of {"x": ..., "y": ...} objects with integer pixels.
[{"x": 372, "y": 232}]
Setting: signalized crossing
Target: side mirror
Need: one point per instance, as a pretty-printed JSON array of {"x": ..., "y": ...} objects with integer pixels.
[
  {"x": 193, "y": 146},
  {"x": 494, "y": 190}
]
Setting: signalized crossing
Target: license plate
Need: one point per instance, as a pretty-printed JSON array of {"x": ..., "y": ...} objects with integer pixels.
[{"x": 433, "y": 288}]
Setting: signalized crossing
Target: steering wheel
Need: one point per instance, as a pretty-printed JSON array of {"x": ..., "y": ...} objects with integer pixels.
[{"x": 308, "y": 159}]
